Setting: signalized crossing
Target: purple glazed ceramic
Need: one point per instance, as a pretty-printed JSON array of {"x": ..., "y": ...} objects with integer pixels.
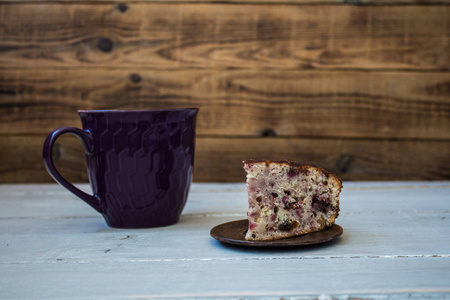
[{"x": 139, "y": 164}]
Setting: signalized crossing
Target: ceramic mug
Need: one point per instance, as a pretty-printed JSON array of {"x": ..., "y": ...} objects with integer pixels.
[{"x": 139, "y": 163}]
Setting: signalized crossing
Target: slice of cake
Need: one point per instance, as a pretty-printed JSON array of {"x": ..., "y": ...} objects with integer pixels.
[{"x": 288, "y": 199}]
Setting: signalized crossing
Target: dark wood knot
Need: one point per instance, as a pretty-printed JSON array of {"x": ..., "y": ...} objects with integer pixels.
[
  {"x": 105, "y": 45},
  {"x": 122, "y": 7},
  {"x": 135, "y": 78},
  {"x": 356, "y": 2},
  {"x": 267, "y": 132},
  {"x": 344, "y": 163}
]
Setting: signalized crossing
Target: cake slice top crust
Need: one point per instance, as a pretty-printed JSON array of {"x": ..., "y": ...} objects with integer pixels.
[{"x": 295, "y": 166}]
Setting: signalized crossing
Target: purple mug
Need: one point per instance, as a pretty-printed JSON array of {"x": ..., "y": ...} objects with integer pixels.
[{"x": 139, "y": 163}]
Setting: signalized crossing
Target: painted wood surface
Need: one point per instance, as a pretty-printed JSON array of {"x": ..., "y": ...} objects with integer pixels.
[{"x": 396, "y": 244}]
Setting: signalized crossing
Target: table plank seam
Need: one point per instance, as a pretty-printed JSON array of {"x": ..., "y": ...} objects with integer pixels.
[
  {"x": 225, "y": 215},
  {"x": 443, "y": 257}
]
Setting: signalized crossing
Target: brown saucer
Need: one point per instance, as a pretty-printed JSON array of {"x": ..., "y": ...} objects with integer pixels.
[{"x": 234, "y": 233}]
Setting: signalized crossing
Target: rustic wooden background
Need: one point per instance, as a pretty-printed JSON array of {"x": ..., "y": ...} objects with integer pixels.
[{"x": 361, "y": 88}]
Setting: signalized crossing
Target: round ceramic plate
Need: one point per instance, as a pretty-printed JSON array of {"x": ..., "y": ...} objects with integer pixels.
[{"x": 234, "y": 233}]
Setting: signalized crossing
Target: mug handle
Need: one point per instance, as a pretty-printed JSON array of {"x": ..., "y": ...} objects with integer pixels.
[{"x": 86, "y": 138}]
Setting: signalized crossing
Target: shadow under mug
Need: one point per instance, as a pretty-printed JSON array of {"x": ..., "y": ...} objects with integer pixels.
[{"x": 139, "y": 163}]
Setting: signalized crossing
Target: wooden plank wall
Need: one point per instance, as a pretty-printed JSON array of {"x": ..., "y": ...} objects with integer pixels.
[{"x": 361, "y": 88}]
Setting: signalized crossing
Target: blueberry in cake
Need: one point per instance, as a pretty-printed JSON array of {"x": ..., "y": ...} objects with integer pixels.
[{"x": 287, "y": 199}]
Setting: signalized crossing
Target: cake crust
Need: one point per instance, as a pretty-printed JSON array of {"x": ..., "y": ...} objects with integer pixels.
[
  {"x": 293, "y": 164},
  {"x": 288, "y": 198}
]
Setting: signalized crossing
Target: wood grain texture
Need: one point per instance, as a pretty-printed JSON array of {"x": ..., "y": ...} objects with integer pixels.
[
  {"x": 238, "y": 102},
  {"x": 220, "y": 159},
  {"x": 363, "y": 90},
  {"x": 349, "y": 159},
  {"x": 193, "y": 279},
  {"x": 48, "y": 234},
  {"x": 174, "y": 36}
]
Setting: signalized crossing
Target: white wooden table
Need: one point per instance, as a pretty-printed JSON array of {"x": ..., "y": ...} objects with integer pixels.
[{"x": 396, "y": 244}]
